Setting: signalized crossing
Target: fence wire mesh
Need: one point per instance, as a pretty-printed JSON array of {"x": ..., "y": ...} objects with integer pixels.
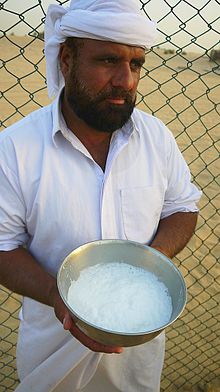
[{"x": 180, "y": 85}]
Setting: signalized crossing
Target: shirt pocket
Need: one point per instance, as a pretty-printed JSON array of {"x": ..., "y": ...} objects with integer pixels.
[{"x": 141, "y": 209}]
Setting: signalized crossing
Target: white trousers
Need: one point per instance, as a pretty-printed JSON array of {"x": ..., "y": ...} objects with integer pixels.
[
  {"x": 137, "y": 369},
  {"x": 54, "y": 361}
]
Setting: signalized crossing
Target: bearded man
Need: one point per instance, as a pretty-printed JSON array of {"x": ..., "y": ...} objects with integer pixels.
[{"x": 89, "y": 166}]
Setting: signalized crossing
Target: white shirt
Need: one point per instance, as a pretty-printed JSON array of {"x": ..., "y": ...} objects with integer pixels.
[{"x": 55, "y": 197}]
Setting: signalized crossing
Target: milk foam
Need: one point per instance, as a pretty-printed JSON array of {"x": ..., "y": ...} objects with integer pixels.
[{"x": 121, "y": 298}]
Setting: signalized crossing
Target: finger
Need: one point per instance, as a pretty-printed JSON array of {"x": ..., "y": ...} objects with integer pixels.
[
  {"x": 67, "y": 321},
  {"x": 92, "y": 344}
]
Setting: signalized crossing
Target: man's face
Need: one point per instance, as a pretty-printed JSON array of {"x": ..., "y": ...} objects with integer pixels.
[{"x": 100, "y": 85}]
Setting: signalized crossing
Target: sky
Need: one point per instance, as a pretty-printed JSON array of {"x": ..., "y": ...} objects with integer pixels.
[{"x": 189, "y": 19}]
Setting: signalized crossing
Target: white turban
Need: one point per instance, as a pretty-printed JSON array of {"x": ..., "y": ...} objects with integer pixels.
[{"x": 106, "y": 20}]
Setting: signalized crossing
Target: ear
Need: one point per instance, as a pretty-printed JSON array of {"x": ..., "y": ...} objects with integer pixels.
[{"x": 64, "y": 59}]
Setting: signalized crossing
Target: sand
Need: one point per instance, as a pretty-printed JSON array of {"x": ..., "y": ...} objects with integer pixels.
[{"x": 183, "y": 91}]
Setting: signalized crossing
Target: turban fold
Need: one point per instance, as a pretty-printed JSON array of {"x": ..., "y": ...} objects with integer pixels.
[{"x": 118, "y": 21}]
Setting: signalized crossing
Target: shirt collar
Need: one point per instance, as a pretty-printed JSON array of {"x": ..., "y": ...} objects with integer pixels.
[{"x": 58, "y": 122}]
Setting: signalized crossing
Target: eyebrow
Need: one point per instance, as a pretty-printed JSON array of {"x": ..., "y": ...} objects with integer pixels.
[{"x": 98, "y": 56}]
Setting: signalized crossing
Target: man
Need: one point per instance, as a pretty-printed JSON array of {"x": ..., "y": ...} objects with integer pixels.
[{"x": 86, "y": 167}]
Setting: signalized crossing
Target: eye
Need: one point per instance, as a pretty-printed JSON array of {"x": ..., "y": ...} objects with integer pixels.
[
  {"x": 136, "y": 65},
  {"x": 110, "y": 60}
]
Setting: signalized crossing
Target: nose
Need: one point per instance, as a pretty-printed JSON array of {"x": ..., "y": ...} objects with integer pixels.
[{"x": 123, "y": 77}]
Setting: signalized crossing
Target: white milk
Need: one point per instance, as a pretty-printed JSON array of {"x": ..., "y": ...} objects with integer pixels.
[{"x": 121, "y": 298}]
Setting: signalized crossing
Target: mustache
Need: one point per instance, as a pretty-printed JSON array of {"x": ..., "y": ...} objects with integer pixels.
[{"x": 115, "y": 93}]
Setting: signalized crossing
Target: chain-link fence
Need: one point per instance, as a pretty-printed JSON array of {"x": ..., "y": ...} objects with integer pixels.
[{"x": 180, "y": 84}]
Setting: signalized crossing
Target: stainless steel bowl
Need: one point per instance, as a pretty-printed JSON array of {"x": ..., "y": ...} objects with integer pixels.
[{"x": 107, "y": 251}]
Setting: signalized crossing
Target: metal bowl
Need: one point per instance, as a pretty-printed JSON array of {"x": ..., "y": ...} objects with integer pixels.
[{"x": 107, "y": 251}]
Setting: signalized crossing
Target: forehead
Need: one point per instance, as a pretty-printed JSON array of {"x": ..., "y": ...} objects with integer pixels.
[{"x": 93, "y": 47}]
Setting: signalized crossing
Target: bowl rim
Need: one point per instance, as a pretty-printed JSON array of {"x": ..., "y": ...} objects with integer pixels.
[{"x": 140, "y": 245}]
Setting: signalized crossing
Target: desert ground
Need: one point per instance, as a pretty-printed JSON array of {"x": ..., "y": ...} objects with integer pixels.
[{"x": 183, "y": 90}]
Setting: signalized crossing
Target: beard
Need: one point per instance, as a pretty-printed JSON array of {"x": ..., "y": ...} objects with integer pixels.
[{"x": 95, "y": 109}]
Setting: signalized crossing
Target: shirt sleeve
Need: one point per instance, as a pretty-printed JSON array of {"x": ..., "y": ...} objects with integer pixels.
[
  {"x": 12, "y": 209},
  {"x": 181, "y": 194}
]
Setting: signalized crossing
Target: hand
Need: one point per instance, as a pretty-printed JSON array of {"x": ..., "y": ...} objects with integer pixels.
[{"x": 64, "y": 316}]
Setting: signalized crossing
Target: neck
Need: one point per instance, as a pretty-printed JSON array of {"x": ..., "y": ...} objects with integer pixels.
[{"x": 96, "y": 142}]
